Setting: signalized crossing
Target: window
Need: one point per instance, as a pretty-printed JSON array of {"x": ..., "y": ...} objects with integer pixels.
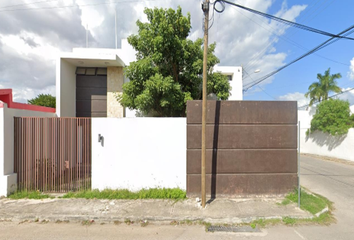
[
  {"x": 80, "y": 71},
  {"x": 101, "y": 71},
  {"x": 89, "y": 71},
  {"x": 229, "y": 77}
]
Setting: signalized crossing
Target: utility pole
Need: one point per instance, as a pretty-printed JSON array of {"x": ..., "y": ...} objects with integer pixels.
[{"x": 205, "y": 8}]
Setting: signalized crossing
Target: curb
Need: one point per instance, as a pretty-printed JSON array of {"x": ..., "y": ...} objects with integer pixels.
[{"x": 161, "y": 221}]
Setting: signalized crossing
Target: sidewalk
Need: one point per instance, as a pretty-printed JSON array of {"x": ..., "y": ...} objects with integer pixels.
[{"x": 160, "y": 211}]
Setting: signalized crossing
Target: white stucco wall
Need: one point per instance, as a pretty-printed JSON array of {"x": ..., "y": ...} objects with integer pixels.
[
  {"x": 139, "y": 153},
  {"x": 236, "y": 82},
  {"x": 65, "y": 89},
  {"x": 324, "y": 144},
  {"x": 7, "y": 176}
]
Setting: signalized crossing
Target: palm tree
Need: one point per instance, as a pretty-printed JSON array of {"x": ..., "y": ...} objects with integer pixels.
[{"x": 318, "y": 91}]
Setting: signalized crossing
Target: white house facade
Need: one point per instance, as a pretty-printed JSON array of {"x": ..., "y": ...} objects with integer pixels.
[{"x": 87, "y": 80}]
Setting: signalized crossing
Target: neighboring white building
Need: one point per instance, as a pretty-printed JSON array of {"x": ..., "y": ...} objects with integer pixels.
[
  {"x": 88, "y": 78},
  {"x": 234, "y": 75}
]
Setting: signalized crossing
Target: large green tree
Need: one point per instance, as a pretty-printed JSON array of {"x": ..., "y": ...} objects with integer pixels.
[
  {"x": 45, "y": 100},
  {"x": 168, "y": 70},
  {"x": 318, "y": 91}
]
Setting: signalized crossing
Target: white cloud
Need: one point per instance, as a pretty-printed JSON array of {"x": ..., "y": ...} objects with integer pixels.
[
  {"x": 296, "y": 96},
  {"x": 29, "y": 40},
  {"x": 351, "y": 69},
  {"x": 347, "y": 96}
]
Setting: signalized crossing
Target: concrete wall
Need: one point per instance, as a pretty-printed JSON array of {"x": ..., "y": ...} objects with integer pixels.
[
  {"x": 7, "y": 176},
  {"x": 139, "y": 153},
  {"x": 324, "y": 144},
  {"x": 251, "y": 148},
  {"x": 65, "y": 89}
]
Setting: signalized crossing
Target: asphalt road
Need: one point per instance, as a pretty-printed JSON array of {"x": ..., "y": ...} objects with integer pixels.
[{"x": 330, "y": 179}]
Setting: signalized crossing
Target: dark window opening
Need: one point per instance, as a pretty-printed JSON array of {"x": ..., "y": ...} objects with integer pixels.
[{"x": 89, "y": 71}]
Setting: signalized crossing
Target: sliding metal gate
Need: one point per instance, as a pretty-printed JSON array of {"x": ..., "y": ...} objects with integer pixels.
[{"x": 52, "y": 154}]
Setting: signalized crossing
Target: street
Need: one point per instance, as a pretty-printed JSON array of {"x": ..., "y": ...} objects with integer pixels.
[{"x": 331, "y": 179}]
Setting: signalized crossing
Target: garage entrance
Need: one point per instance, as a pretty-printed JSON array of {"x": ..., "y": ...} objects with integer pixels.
[{"x": 91, "y": 92}]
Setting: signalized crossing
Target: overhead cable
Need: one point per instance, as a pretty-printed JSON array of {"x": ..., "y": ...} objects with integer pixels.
[
  {"x": 319, "y": 47},
  {"x": 335, "y": 95},
  {"x": 284, "y": 21}
]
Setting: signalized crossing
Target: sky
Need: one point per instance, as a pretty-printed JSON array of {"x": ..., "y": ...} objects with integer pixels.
[{"x": 34, "y": 32}]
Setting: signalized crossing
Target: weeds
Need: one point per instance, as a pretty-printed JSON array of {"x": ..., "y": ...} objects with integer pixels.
[
  {"x": 128, "y": 222},
  {"x": 144, "y": 223},
  {"x": 87, "y": 222},
  {"x": 29, "y": 195},
  {"x": 152, "y": 193},
  {"x": 312, "y": 203}
]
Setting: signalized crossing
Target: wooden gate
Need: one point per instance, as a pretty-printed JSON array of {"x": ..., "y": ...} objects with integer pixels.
[{"x": 52, "y": 154}]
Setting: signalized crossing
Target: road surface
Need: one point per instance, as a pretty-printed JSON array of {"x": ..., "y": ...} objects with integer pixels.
[{"x": 330, "y": 179}]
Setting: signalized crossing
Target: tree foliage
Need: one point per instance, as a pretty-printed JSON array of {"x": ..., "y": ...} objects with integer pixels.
[
  {"x": 168, "y": 70},
  {"x": 333, "y": 117},
  {"x": 318, "y": 91},
  {"x": 45, "y": 100}
]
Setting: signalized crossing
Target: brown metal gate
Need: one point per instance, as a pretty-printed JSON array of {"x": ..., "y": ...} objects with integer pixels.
[
  {"x": 251, "y": 148},
  {"x": 52, "y": 154}
]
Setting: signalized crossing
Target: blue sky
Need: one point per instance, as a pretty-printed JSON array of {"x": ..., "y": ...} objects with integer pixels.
[
  {"x": 34, "y": 32},
  {"x": 330, "y": 16}
]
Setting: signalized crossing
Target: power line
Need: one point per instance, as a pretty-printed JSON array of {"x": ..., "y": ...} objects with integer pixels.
[
  {"x": 335, "y": 95},
  {"x": 266, "y": 93},
  {"x": 252, "y": 62},
  {"x": 322, "y": 45},
  {"x": 306, "y": 14},
  {"x": 284, "y": 21}
]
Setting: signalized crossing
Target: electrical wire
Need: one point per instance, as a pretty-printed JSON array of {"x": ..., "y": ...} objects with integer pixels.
[
  {"x": 284, "y": 21},
  {"x": 335, "y": 95},
  {"x": 315, "y": 8},
  {"x": 319, "y": 47}
]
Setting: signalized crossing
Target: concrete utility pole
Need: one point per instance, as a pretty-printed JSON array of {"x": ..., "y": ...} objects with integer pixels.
[{"x": 205, "y": 7}]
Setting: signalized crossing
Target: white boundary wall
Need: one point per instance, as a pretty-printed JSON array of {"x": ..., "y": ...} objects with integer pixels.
[
  {"x": 8, "y": 179},
  {"x": 324, "y": 144},
  {"x": 139, "y": 153}
]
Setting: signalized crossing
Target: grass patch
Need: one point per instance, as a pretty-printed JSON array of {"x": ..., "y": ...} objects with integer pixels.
[
  {"x": 28, "y": 195},
  {"x": 152, "y": 193},
  {"x": 262, "y": 223},
  {"x": 312, "y": 203},
  {"x": 324, "y": 219}
]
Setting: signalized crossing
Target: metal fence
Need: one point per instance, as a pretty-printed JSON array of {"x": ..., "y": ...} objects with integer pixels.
[{"x": 52, "y": 154}]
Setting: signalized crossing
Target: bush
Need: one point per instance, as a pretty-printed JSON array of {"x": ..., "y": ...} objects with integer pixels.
[
  {"x": 352, "y": 120},
  {"x": 333, "y": 117}
]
